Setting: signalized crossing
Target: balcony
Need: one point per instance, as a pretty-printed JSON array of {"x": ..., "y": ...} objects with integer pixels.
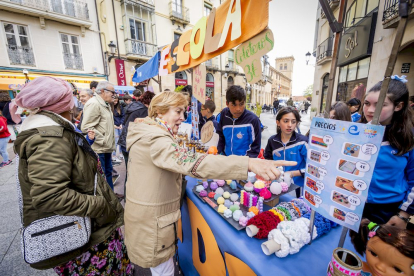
[
  {"x": 20, "y": 55},
  {"x": 73, "y": 12},
  {"x": 333, "y": 4},
  {"x": 390, "y": 16},
  {"x": 140, "y": 49},
  {"x": 179, "y": 14},
  {"x": 210, "y": 66},
  {"x": 73, "y": 61},
  {"x": 324, "y": 51}
]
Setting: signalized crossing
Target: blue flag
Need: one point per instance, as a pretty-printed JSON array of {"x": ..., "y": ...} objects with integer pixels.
[{"x": 148, "y": 70}]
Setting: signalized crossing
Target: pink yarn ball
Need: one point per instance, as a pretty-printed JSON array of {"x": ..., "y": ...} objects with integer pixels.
[{"x": 285, "y": 187}]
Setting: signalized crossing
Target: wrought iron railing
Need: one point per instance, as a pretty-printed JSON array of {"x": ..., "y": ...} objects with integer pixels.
[
  {"x": 179, "y": 12},
  {"x": 20, "y": 55},
  {"x": 73, "y": 61},
  {"x": 209, "y": 63},
  {"x": 390, "y": 9},
  {"x": 72, "y": 8},
  {"x": 141, "y": 48},
  {"x": 325, "y": 49}
]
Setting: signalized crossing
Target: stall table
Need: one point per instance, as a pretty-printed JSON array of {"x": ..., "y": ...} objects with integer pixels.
[{"x": 311, "y": 260}]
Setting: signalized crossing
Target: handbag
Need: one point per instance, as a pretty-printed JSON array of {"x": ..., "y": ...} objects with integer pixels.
[{"x": 52, "y": 236}]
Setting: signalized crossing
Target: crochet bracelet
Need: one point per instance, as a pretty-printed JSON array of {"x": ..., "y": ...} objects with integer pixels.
[
  {"x": 285, "y": 211},
  {"x": 293, "y": 213}
]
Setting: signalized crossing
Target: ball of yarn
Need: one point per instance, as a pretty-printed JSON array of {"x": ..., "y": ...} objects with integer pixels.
[
  {"x": 213, "y": 186},
  {"x": 234, "y": 197},
  {"x": 237, "y": 214},
  {"x": 199, "y": 188},
  {"x": 250, "y": 215},
  {"x": 254, "y": 210},
  {"x": 234, "y": 208},
  {"x": 221, "y": 208},
  {"x": 285, "y": 187},
  {"x": 219, "y": 191},
  {"x": 211, "y": 194},
  {"x": 276, "y": 188},
  {"x": 226, "y": 195},
  {"x": 266, "y": 222},
  {"x": 203, "y": 193},
  {"x": 220, "y": 200},
  {"x": 265, "y": 193},
  {"x": 227, "y": 203},
  {"x": 227, "y": 213},
  {"x": 205, "y": 184},
  {"x": 243, "y": 221},
  {"x": 248, "y": 187}
]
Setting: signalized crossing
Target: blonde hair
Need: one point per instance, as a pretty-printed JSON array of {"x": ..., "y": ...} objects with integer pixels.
[{"x": 162, "y": 102}]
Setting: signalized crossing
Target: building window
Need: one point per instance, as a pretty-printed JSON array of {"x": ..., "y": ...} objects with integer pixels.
[
  {"x": 230, "y": 57},
  {"x": 137, "y": 29},
  {"x": 230, "y": 81},
  {"x": 353, "y": 80},
  {"x": 71, "y": 52},
  {"x": 207, "y": 9},
  {"x": 177, "y": 6},
  {"x": 358, "y": 10},
  {"x": 176, "y": 36},
  {"x": 285, "y": 66},
  {"x": 18, "y": 45},
  {"x": 281, "y": 66},
  {"x": 210, "y": 86}
]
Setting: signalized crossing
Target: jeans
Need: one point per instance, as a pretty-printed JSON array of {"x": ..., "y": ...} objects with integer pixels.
[
  {"x": 3, "y": 148},
  {"x": 274, "y": 110},
  {"x": 106, "y": 163}
]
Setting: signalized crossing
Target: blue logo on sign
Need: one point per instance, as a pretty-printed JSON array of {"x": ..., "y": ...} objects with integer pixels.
[{"x": 353, "y": 130}]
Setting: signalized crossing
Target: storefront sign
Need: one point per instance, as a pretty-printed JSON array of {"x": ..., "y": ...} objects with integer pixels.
[
  {"x": 227, "y": 26},
  {"x": 120, "y": 72},
  {"x": 405, "y": 68},
  {"x": 339, "y": 168},
  {"x": 180, "y": 82},
  {"x": 209, "y": 83},
  {"x": 356, "y": 42},
  {"x": 199, "y": 83},
  {"x": 249, "y": 53}
]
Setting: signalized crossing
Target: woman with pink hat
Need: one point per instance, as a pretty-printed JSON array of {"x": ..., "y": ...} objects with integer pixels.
[{"x": 60, "y": 176}]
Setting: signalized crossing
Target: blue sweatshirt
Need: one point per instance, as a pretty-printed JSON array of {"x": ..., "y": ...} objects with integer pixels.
[
  {"x": 241, "y": 136},
  {"x": 295, "y": 150},
  {"x": 213, "y": 119},
  {"x": 393, "y": 177}
]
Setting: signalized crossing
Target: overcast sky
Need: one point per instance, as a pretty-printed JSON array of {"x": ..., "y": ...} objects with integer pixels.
[{"x": 293, "y": 26}]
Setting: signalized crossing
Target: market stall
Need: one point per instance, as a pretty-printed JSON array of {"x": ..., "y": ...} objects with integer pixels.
[{"x": 225, "y": 242}]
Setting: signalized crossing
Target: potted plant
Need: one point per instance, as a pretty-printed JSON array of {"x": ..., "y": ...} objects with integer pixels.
[{"x": 313, "y": 112}]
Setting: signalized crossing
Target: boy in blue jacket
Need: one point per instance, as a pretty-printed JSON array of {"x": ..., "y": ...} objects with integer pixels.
[{"x": 238, "y": 128}]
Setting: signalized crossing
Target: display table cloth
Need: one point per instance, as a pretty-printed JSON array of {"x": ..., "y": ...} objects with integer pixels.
[{"x": 311, "y": 260}]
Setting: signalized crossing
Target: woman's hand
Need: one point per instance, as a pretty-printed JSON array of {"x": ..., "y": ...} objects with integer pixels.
[
  {"x": 267, "y": 169},
  {"x": 398, "y": 222}
]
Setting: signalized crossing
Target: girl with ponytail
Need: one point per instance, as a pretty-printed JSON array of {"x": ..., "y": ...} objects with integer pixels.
[{"x": 391, "y": 193}]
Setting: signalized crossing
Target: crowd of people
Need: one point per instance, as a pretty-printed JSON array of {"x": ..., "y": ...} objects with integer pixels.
[{"x": 66, "y": 148}]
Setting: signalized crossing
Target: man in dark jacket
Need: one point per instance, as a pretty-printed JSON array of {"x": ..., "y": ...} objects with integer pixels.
[{"x": 275, "y": 106}]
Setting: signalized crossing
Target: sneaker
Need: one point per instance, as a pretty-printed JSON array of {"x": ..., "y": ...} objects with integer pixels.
[
  {"x": 116, "y": 160},
  {"x": 4, "y": 164}
]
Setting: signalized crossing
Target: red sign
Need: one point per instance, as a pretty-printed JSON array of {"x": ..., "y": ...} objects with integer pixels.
[
  {"x": 180, "y": 82},
  {"x": 120, "y": 72},
  {"x": 210, "y": 83}
]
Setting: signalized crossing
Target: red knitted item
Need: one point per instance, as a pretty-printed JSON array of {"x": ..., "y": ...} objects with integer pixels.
[{"x": 266, "y": 222}]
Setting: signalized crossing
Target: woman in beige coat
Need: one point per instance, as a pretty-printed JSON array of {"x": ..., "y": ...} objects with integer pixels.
[{"x": 155, "y": 171}]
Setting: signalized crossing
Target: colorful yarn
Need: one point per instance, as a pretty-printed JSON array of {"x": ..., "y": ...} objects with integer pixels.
[
  {"x": 279, "y": 215},
  {"x": 254, "y": 210},
  {"x": 302, "y": 205},
  {"x": 266, "y": 222},
  {"x": 285, "y": 211},
  {"x": 297, "y": 209},
  {"x": 323, "y": 225}
]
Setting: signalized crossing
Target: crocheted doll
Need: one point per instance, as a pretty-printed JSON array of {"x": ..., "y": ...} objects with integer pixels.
[{"x": 389, "y": 250}]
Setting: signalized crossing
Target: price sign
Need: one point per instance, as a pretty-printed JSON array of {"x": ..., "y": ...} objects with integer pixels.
[{"x": 340, "y": 162}]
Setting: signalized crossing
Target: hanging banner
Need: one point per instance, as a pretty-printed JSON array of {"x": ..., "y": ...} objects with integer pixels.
[
  {"x": 339, "y": 168},
  {"x": 194, "y": 118},
  {"x": 199, "y": 83},
  {"x": 120, "y": 72},
  {"x": 227, "y": 26},
  {"x": 249, "y": 53}
]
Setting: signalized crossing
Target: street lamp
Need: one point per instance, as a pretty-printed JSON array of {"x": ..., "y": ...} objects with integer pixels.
[
  {"x": 112, "y": 49},
  {"x": 308, "y": 55}
]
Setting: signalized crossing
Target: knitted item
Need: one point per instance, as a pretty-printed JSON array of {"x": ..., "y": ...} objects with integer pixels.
[
  {"x": 285, "y": 187},
  {"x": 280, "y": 216},
  {"x": 297, "y": 209},
  {"x": 323, "y": 225},
  {"x": 285, "y": 211},
  {"x": 266, "y": 222},
  {"x": 265, "y": 193},
  {"x": 289, "y": 206},
  {"x": 280, "y": 213},
  {"x": 278, "y": 237},
  {"x": 297, "y": 232},
  {"x": 254, "y": 210},
  {"x": 243, "y": 221}
]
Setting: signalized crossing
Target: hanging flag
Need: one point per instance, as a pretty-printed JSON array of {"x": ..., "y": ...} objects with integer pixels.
[{"x": 148, "y": 69}]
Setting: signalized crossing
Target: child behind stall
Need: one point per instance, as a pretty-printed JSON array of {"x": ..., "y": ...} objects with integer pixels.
[
  {"x": 207, "y": 111},
  {"x": 289, "y": 145},
  {"x": 389, "y": 250}
]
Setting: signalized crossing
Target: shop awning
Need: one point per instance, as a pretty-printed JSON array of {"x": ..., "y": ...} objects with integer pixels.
[
  {"x": 16, "y": 80},
  {"x": 122, "y": 90}
]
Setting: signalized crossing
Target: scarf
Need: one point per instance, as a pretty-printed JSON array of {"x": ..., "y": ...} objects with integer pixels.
[{"x": 165, "y": 125}]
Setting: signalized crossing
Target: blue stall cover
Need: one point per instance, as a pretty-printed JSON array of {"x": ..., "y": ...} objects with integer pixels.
[{"x": 122, "y": 90}]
